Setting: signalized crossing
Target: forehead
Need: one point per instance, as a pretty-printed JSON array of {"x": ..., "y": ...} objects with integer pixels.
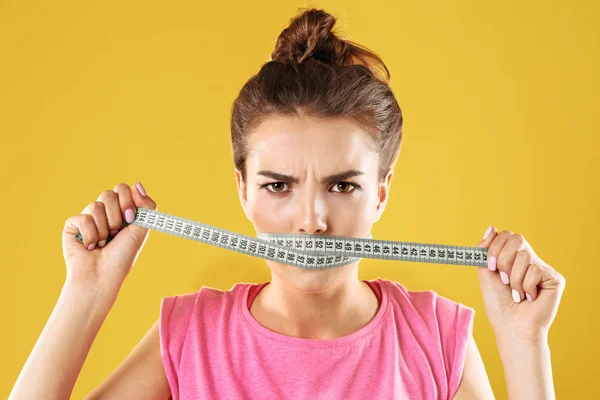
[{"x": 290, "y": 142}]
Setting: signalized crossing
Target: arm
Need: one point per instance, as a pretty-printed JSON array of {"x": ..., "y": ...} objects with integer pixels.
[
  {"x": 56, "y": 360},
  {"x": 474, "y": 383},
  {"x": 527, "y": 368},
  {"x": 140, "y": 375},
  {"x": 52, "y": 368}
]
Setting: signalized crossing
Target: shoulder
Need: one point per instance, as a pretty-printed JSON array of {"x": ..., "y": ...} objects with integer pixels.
[
  {"x": 427, "y": 310},
  {"x": 176, "y": 311},
  {"x": 184, "y": 312},
  {"x": 181, "y": 304},
  {"x": 427, "y": 303}
]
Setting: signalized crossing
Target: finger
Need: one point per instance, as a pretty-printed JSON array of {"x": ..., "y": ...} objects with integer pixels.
[
  {"x": 85, "y": 224},
  {"x": 507, "y": 255},
  {"x": 488, "y": 237},
  {"x": 98, "y": 213},
  {"x": 531, "y": 281},
  {"x": 126, "y": 203},
  {"x": 141, "y": 198},
  {"x": 132, "y": 199},
  {"x": 496, "y": 247},
  {"x": 113, "y": 210},
  {"x": 551, "y": 278},
  {"x": 517, "y": 275}
]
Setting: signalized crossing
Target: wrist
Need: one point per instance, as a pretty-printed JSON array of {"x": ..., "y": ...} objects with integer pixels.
[
  {"x": 527, "y": 365},
  {"x": 100, "y": 299},
  {"x": 515, "y": 349},
  {"x": 524, "y": 337}
]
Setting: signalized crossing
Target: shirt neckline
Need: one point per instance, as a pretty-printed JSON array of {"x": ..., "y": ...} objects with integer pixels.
[{"x": 317, "y": 343}]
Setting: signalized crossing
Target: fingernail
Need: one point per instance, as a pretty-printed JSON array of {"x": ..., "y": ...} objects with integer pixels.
[
  {"x": 91, "y": 246},
  {"x": 129, "y": 215},
  {"x": 141, "y": 189},
  {"x": 529, "y": 298},
  {"x": 113, "y": 233},
  {"x": 101, "y": 243},
  {"x": 492, "y": 263},
  {"x": 487, "y": 233},
  {"x": 504, "y": 277},
  {"x": 516, "y": 296}
]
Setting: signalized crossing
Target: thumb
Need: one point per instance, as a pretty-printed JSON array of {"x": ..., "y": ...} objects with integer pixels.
[
  {"x": 485, "y": 274},
  {"x": 488, "y": 237},
  {"x": 142, "y": 200}
]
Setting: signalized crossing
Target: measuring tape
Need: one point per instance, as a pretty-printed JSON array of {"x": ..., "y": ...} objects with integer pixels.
[{"x": 308, "y": 251}]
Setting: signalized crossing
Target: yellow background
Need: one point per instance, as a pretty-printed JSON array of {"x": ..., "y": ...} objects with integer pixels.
[{"x": 500, "y": 100}]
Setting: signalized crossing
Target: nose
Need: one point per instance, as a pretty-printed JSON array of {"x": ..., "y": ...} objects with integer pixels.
[{"x": 311, "y": 214}]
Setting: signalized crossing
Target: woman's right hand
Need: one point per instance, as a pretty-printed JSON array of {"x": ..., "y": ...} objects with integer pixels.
[{"x": 106, "y": 265}]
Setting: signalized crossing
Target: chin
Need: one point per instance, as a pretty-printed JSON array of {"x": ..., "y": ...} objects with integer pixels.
[{"x": 313, "y": 281}]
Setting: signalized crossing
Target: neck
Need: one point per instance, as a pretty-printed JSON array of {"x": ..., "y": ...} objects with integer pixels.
[{"x": 335, "y": 311}]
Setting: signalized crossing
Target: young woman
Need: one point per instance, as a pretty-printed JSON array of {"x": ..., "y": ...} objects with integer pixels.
[{"x": 315, "y": 136}]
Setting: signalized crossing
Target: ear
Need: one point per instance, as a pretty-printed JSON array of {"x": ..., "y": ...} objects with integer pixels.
[
  {"x": 384, "y": 193},
  {"x": 241, "y": 187}
]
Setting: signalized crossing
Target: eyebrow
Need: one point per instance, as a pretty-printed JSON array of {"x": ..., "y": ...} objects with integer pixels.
[{"x": 329, "y": 179}]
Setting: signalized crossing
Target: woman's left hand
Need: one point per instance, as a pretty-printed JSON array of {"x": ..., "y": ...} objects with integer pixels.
[{"x": 520, "y": 291}]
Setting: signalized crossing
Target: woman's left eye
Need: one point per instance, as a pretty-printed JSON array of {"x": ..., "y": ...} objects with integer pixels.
[{"x": 346, "y": 184}]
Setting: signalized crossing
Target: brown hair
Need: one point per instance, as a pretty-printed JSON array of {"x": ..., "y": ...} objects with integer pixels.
[{"x": 314, "y": 72}]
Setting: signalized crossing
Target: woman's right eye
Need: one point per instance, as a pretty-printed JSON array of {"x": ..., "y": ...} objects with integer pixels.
[{"x": 277, "y": 186}]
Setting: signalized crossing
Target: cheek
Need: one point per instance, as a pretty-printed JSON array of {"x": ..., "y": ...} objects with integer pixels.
[
  {"x": 355, "y": 221},
  {"x": 263, "y": 215}
]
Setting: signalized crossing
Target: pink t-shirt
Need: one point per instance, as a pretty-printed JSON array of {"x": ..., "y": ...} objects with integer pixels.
[{"x": 213, "y": 348}]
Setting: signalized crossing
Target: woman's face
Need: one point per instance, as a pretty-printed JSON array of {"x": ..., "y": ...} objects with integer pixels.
[{"x": 292, "y": 188}]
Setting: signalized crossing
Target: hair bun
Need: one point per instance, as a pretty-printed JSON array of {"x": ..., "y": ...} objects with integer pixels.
[{"x": 309, "y": 36}]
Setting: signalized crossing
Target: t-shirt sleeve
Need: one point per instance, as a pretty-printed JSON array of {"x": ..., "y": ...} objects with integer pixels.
[
  {"x": 175, "y": 316},
  {"x": 455, "y": 322}
]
